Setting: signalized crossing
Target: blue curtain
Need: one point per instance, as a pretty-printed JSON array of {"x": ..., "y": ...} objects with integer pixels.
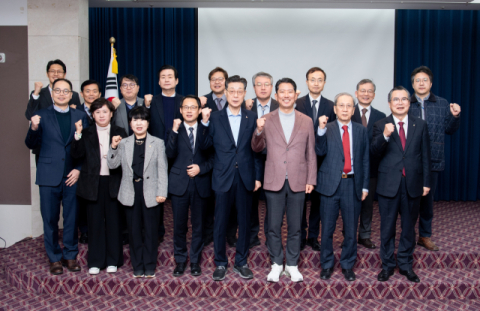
[
  {"x": 448, "y": 42},
  {"x": 146, "y": 39}
]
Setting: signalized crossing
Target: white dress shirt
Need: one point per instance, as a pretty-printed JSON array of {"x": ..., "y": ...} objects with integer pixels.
[{"x": 405, "y": 126}]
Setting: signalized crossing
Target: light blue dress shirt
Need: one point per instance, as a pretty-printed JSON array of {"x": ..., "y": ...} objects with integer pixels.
[
  {"x": 234, "y": 123},
  {"x": 259, "y": 108},
  {"x": 58, "y": 109}
]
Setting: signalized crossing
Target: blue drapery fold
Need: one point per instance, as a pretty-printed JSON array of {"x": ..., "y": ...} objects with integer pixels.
[{"x": 448, "y": 42}]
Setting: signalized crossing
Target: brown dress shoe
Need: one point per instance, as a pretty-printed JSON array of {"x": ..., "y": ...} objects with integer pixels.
[
  {"x": 367, "y": 243},
  {"x": 71, "y": 265},
  {"x": 56, "y": 268},
  {"x": 427, "y": 243}
]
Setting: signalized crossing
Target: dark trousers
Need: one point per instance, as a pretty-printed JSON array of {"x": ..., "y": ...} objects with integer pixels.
[
  {"x": 105, "y": 243},
  {"x": 161, "y": 225},
  {"x": 82, "y": 215},
  {"x": 389, "y": 209},
  {"x": 365, "y": 229},
  {"x": 180, "y": 205},
  {"x": 208, "y": 217},
  {"x": 279, "y": 203},
  {"x": 313, "y": 224},
  {"x": 142, "y": 231},
  {"x": 242, "y": 198},
  {"x": 255, "y": 218},
  {"x": 50, "y": 199},
  {"x": 426, "y": 208},
  {"x": 345, "y": 200}
]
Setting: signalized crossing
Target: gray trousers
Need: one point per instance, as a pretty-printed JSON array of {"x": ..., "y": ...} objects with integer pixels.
[
  {"x": 279, "y": 202},
  {"x": 366, "y": 213}
]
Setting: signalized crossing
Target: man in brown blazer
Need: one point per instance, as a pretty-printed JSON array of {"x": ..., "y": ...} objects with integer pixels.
[{"x": 290, "y": 172}]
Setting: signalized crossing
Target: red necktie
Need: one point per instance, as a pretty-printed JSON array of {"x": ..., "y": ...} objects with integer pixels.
[
  {"x": 401, "y": 133},
  {"x": 347, "y": 167}
]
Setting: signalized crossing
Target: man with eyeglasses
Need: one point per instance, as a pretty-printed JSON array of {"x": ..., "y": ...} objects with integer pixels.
[
  {"x": 442, "y": 118},
  {"x": 402, "y": 144},
  {"x": 216, "y": 99},
  {"x": 57, "y": 174},
  {"x": 314, "y": 105},
  {"x": 129, "y": 88}
]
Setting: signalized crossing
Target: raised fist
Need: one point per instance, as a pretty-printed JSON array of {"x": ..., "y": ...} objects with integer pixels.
[
  {"x": 206, "y": 114},
  {"x": 249, "y": 104},
  {"x": 116, "y": 102},
  {"x": 38, "y": 88},
  {"x": 35, "y": 122},
  {"x": 260, "y": 124},
  {"x": 115, "y": 141},
  {"x": 455, "y": 109},
  {"x": 389, "y": 128},
  {"x": 322, "y": 122},
  {"x": 176, "y": 124},
  {"x": 79, "y": 126},
  {"x": 203, "y": 101},
  {"x": 148, "y": 100}
]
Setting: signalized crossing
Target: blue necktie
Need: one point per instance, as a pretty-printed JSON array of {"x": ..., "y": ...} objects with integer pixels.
[{"x": 190, "y": 137}]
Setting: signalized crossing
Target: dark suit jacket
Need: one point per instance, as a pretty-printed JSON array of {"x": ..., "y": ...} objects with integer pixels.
[
  {"x": 157, "y": 117},
  {"x": 82, "y": 108},
  {"x": 227, "y": 154},
  {"x": 54, "y": 152},
  {"x": 45, "y": 101},
  {"x": 375, "y": 115},
  {"x": 273, "y": 103},
  {"x": 179, "y": 149},
  {"x": 330, "y": 172},
  {"x": 415, "y": 158},
  {"x": 88, "y": 150},
  {"x": 211, "y": 103},
  {"x": 324, "y": 109}
]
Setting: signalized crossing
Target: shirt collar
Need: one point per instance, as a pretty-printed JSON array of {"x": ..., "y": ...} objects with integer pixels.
[
  {"x": 230, "y": 114},
  {"x": 312, "y": 99},
  {"x": 405, "y": 120},
  {"x": 369, "y": 108},
  {"x": 223, "y": 98},
  {"x": 188, "y": 126},
  {"x": 60, "y": 110},
  {"x": 169, "y": 96},
  {"x": 349, "y": 125},
  {"x": 131, "y": 106},
  {"x": 422, "y": 100},
  {"x": 267, "y": 105}
]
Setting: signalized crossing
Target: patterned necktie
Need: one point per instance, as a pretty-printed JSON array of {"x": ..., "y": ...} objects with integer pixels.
[
  {"x": 190, "y": 137},
  {"x": 263, "y": 109},
  {"x": 219, "y": 105},
  {"x": 347, "y": 167},
  {"x": 314, "y": 108},
  {"x": 364, "y": 117},
  {"x": 401, "y": 133}
]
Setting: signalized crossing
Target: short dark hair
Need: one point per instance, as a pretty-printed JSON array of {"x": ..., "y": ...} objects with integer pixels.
[
  {"x": 56, "y": 62},
  {"x": 236, "y": 78},
  {"x": 423, "y": 69},
  {"x": 139, "y": 112},
  {"x": 192, "y": 97},
  {"x": 398, "y": 88},
  {"x": 365, "y": 81},
  {"x": 285, "y": 80},
  {"x": 99, "y": 103},
  {"x": 315, "y": 69},
  {"x": 165, "y": 67},
  {"x": 89, "y": 82},
  {"x": 129, "y": 77},
  {"x": 218, "y": 69},
  {"x": 65, "y": 80}
]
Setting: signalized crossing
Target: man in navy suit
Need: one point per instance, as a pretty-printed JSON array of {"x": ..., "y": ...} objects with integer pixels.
[
  {"x": 52, "y": 130},
  {"x": 314, "y": 105},
  {"x": 236, "y": 173},
  {"x": 403, "y": 145},
  {"x": 342, "y": 181},
  {"x": 90, "y": 91}
]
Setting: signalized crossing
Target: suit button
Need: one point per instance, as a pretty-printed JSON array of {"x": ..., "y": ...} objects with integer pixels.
[
  {"x": 236, "y": 152},
  {"x": 63, "y": 159},
  {"x": 148, "y": 177},
  {"x": 404, "y": 158},
  {"x": 343, "y": 160},
  {"x": 287, "y": 149},
  {"x": 400, "y": 170},
  {"x": 284, "y": 162}
]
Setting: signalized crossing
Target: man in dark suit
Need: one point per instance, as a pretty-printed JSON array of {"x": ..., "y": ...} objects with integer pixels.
[
  {"x": 342, "y": 181},
  {"x": 129, "y": 87},
  {"x": 403, "y": 145},
  {"x": 189, "y": 184},
  {"x": 235, "y": 174},
  {"x": 90, "y": 91},
  {"x": 314, "y": 105},
  {"x": 51, "y": 131}
]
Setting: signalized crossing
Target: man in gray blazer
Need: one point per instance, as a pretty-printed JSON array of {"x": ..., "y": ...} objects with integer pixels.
[{"x": 129, "y": 88}]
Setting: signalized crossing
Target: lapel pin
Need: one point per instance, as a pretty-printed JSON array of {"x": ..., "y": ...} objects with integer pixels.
[
  {"x": 246, "y": 117},
  {"x": 413, "y": 124}
]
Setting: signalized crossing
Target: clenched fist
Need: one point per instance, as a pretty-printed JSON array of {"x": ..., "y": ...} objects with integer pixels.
[
  {"x": 116, "y": 102},
  {"x": 455, "y": 109},
  {"x": 249, "y": 104},
  {"x": 35, "y": 122},
  {"x": 160, "y": 199},
  {"x": 389, "y": 128},
  {"x": 176, "y": 124},
  {"x": 206, "y": 114},
  {"x": 203, "y": 101},
  {"x": 115, "y": 141},
  {"x": 79, "y": 126},
  {"x": 322, "y": 121},
  {"x": 38, "y": 88},
  {"x": 260, "y": 124},
  {"x": 148, "y": 100}
]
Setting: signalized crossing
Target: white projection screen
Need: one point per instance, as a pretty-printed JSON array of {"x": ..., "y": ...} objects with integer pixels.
[{"x": 349, "y": 45}]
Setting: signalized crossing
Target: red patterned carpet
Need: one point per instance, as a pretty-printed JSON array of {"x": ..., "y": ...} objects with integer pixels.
[{"x": 450, "y": 278}]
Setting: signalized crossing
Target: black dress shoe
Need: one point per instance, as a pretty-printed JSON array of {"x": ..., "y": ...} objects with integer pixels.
[
  {"x": 254, "y": 243},
  {"x": 303, "y": 244},
  {"x": 179, "y": 269},
  {"x": 243, "y": 271},
  {"x": 384, "y": 275},
  {"x": 326, "y": 273},
  {"x": 411, "y": 276},
  {"x": 367, "y": 243},
  {"x": 195, "y": 269},
  {"x": 232, "y": 243},
  {"x": 83, "y": 238},
  {"x": 341, "y": 245},
  {"x": 313, "y": 243},
  {"x": 219, "y": 273},
  {"x": 349, "y": 274},
  {"x": 160, "y": 240}
]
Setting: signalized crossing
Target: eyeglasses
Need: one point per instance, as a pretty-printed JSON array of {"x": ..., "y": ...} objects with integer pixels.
[
  {"x": 58, "y": 72},
  {"x": 343, "y": 106},
  {"x": 397, "y": 100},
  {"x": 238, "y": 92},
  {"x": 217, "y": 80},
  {"x": 128, "y": 85},
  {"x": 418, "y": 80},
  {"x": 318, "y": 80},
  {"x": 190, "y": 108},
  {"x": 263, "y": 84},
  {"x": 363, "y": 91},
  {"x": 59, "y": 91}
]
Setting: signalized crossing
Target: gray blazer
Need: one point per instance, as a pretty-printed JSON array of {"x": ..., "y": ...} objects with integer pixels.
[
  {"x": 120, "y": 118},
  {"x": 155, "y": 175}
]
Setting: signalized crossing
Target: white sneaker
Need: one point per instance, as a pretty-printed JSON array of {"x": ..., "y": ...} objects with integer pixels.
[
  {"x": 274, "y": 275},
  {"x": 293, "y": 273},
  {"x": 94, "y": 270},
  {"x": 111, "y": 269}
]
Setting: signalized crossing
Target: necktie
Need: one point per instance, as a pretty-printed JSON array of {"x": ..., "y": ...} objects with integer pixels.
[
  {"x": 401, "y": 133},
  {"x": 364, "y": 117},
  {"x": 314, "y": 108},
  {"x": 347, "y": 167},
  {"x": 190, "y": 137},
  {"x": 219, "y": 105},
  {"x": 263, "y": 109}
]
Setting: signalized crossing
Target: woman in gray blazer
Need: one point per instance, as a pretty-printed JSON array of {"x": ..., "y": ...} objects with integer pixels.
[{"x": 143, "y": 188}]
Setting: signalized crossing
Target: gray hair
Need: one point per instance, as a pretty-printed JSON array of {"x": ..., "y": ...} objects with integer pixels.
[
  {"x": 365, "y": 81},
  {"x": 398, "y": 88},
  {"x": 261, "y": 74},
  {"x": 343, "y": 94}
]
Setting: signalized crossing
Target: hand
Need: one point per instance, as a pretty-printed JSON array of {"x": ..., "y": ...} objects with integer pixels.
[
  {"x": 35, "y": 122},
  {"x": 298, "y": 92},
  {"x": 203, "y": 101},
  {"x": 176, "y": 125},
  {"x": 258, "y": 184},
  {"x": 147, "y": 100},
  {"x": 160, "y": 199},
  {"x": 193, "y": 170},
  {"x": 322, "y": 122},
  {"x": 206, "y": 114},
  {"x": 116, "y": 102},
  {"x": 389, "y": 128},
  {"x": 426, "y": 190},
  {"x": 79, "y": 126},
  {"x": 38, "y": 88},
  {"x": 115, "y": 141},
  {"x": 455, "y": 109},
  {"x": 73, "y": 106},
  {"x": 249, "y": 104},
  {"x": 309, "y": 189},
  {"x": 72, "y": 177},
  {"x": 260, "y": 124},
  {"x": 364, "y": 195}
]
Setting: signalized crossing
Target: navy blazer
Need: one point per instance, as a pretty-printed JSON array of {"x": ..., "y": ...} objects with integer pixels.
[
  {"x": 227, "y": 154},
  {"x": 415, "y": 158},
  {"x": 45, "y": 101},
  {"x": 157, "y": 117},
  {"x": 330, "y": 172},
  {"x": 375, "y": 115},
  {"x": 180, "y": 150},
  {"x": 324, "y": 109},
  {"x": 54, "y": 152}
]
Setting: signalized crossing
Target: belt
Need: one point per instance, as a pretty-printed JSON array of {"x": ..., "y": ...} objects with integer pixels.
[
  {"x": 138, "y": 179},
  {"x": 348, "y": 176}
]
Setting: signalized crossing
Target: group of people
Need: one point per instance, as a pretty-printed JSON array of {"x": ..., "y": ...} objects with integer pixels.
[{"x": 217, "y": 155}]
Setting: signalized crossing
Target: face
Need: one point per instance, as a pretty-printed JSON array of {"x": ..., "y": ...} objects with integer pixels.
[
  {"x": 399, "y": 103},
  {"x": 167, "y": 80},
  {"x": 217, "y": 83},
  {"x": 190, "y": 110},
  {"x": 422, "y": 84},
  {"x": 139, "y": 126},
  {"x": 90, "y": 93},
  {"x": 344, "y": 108},
  {"x": 365, "y": 94},
  {"x": 61, "y": 93},
  {"x": 263, "y": 87},
  {"x": 286, "y": 95},
  {"x": 235, "y": 94},
  {"x": 102, "y": 116},
  {"x": 55, "y": 72},
  {"x": 316, "y": 82},
  {"x": 129, "y": 89}
]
